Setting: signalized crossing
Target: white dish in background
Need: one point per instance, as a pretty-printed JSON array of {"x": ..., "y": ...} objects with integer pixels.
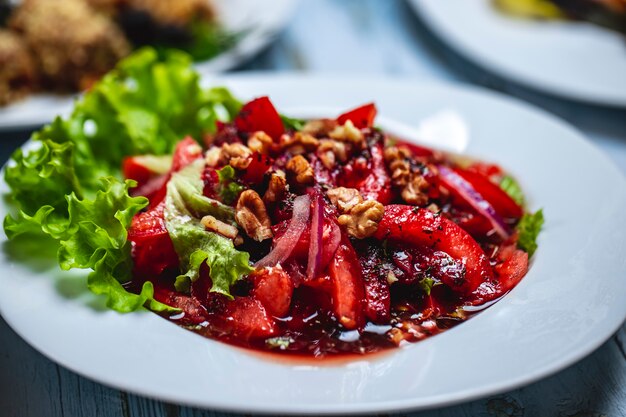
[
  {"x": 260, "y": 21},
  {"x": 570, "y": 302},
  {"x": 574, "y": 60}
]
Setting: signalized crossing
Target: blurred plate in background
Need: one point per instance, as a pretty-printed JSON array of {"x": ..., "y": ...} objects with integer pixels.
[
  {"x": 574, "y": 60},
  {"x": 260, "y": 23}
]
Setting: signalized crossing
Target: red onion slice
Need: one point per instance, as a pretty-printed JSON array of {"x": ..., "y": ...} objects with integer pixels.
[
  {"x": 317, "y": 237},
  {"x": 287, "y": 242},
  {"x": 468, "y": 193}
]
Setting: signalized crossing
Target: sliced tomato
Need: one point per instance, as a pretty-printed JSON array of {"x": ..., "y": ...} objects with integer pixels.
[
  {"x": 186, "y": 151},
  {"x": 193, "y": 311},
  {"x": 421, "y": 227},
  {"x": 512, "y": 270},
  {"x": 153, "y": 251},
  {"x": 417, "y": 150},
  {"x": 247, "y": 319},
  {"x": 502, "y": 203},
  {"x": 372, "y": 181},
  {"x": 155, "y": 188},
  {"x": 260, "y": 114},
  {"x": 133, "y": 169},
  {"x": 377, "y": 299},
  {"x": 486, "y": 169},
  {"x": 273, "y": 288},
  {"x": 361, "y": 117},
  {"x": 259, "y": 165},
  {"x": 347, "y": 287}
]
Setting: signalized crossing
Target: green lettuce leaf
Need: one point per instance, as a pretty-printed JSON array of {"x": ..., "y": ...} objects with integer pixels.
[
  {"x": 513, "y": 189},
  {"x": 528, "y": 228},
  {"x": 184, "y": 207},
  {"x": 65, "y": 185}
]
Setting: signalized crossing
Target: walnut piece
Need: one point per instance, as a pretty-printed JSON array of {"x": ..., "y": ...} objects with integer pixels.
[
  {"x": 260, "y": 142},
  {"x": 319, "y": 127},
  {"x": 301, "y": 169},
  {"x": 348, "y": 133},
  {"x": 398, "y": 164},
  {"x": 344, "y": 198},
  {"x": 218, "y": 226},
  {"x": 231, "y": 151},
  {"x": 414, "y": 191},
  {"x": 362, "y": 219},
  {"x": 299, "y": 143},
  {"x": 330, "y": 151},
  {"x": 251, "y": 215},
  {"x": 276, "y": 188}
]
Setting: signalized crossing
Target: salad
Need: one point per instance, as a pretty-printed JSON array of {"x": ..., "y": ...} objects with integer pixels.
[{"x": 309, "y": 237}]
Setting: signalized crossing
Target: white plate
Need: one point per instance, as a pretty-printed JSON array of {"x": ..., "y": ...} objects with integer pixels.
[
  {"x": 571, "y": 59},
  {"x": 570, "y": 302},
  {"x": 260, "y": 20}
]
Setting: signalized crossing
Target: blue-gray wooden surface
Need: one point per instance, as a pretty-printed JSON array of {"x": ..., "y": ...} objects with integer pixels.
[{"x": 375, "y": 37}]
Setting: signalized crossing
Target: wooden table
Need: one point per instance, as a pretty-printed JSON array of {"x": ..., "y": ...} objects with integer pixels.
[{"x": 380, "y": 37}]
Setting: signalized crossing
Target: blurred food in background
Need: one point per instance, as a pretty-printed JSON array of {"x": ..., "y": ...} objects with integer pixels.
[
  {"x": 610, "y": 14},
  {"x": 65, "y": 46}
]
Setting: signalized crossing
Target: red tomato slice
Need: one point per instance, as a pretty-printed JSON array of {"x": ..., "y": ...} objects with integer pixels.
[
  {"x": 260, "y": 114},
  {"x": 259, "y": 165},
  {"x": 347, "y": 287},
  {"x": 421, "y": 227},
  {"x": 273, "y": 288},
  {"x": 377, "y": 299},
  {"x": 153, "y": 251},
  {"x": 133, "y": 169},
  {"x": 194, "y": 311},
  {"x": 374, "y": 183},
  {"x": 361, "y": 117},
  {"x": 502, "y": 203},
  {"x": 187, "y": 151},
  {"x": 512, "y": 270},
  {"x": 247, "y": 319}
]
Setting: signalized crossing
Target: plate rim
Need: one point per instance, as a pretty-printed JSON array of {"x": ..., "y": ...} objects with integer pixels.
[
  {"x": 392, "y": 405},
  {"x": 532, "y": 83}
]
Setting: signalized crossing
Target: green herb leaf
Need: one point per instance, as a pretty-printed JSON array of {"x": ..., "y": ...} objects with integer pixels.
[
  {"x": 228, "y": 188},
  {"x": 427, "y": 283},
  {"x": 528, "y": 228},
  {"x": 513, "y": 189},
  {"x": 291, "y": 123}
]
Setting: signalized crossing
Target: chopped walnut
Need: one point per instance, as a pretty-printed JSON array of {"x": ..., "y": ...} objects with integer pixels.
[
  {"x": 276, "y": 188},
  {"x": 392, "y": 153},
  {"x": 218, "y": 226},
  {"x": 414, "y": 191},
  {"x": 344, "y": 198},
  {"x": 320, "y": 127},
  {"x": 301, "y": 169},
  {"x": 398, "y": 164},
  {"x": 260, "y": 142},
  {"x": 234, "y": 150},
  {"x": 362, "y": 219},
  {"x": 348, "y": 133},
  {"x": 400, "y": 172},
  {"x": 240, "y": 162},
  {"x": 299, "y": 143},
  {"x": 251, "y": 215},
  {"x": 330, "y": 151},
  {"x": 396, "y": 336}
]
